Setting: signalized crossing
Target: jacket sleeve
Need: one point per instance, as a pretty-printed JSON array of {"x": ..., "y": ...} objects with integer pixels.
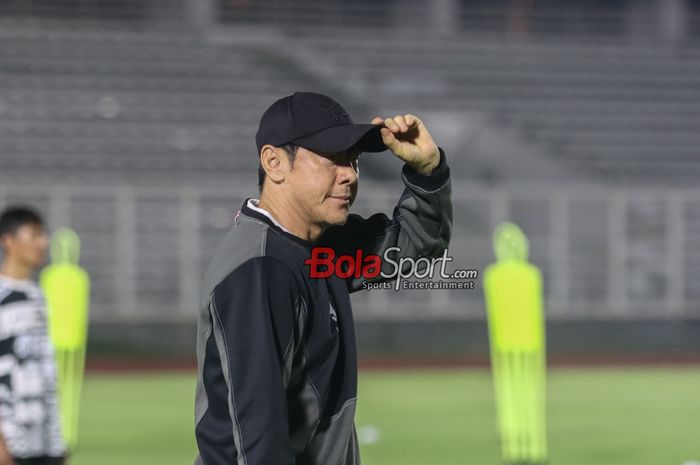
[
  {"x": 421, "y": 224},
  {"x": 252, "y": 314}
]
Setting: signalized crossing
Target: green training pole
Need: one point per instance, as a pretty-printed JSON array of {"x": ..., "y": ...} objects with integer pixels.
[
  {"x": 67, "y": 289},
  {"x": 513, "y": 294}
]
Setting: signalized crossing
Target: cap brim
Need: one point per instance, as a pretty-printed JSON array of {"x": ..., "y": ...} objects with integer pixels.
[{"x": 340, "y": 138}]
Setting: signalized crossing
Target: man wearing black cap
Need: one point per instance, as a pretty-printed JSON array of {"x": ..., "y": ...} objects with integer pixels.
[{"x": 277, "y": 366}]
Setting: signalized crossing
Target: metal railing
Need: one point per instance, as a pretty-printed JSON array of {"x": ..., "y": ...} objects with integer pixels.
[{"x": 608, "y": 254}]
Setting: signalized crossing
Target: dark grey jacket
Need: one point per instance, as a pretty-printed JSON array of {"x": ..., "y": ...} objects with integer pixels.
[{"x": 277, "y": 366}]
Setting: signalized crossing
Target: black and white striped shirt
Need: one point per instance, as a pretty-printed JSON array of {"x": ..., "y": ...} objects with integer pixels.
[{"x": 29, "y": 418}]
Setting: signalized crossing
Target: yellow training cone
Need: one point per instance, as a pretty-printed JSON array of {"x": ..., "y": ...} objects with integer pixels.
[
  {"x": 67, "y": 289},
  {"x": 513, "y": 293}
]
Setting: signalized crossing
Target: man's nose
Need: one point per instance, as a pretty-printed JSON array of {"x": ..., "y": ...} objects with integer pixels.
[{"x": 347, "y": 174}]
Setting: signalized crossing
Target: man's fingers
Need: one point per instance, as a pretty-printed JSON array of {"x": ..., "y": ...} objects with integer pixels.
[
  {"x": 392, "y": 125},
  {"x": 412, "y": 120},
  {"x": 394, "y": 128},
  {"x": 389, "y": 139},
  {"x": 401, "y": 122}
]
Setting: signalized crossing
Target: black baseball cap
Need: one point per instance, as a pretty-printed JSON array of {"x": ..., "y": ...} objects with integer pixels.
[{"x": 316, "y": 122}]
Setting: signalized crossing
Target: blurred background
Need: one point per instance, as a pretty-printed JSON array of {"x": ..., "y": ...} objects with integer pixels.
[{"x": 133, "y": 122}]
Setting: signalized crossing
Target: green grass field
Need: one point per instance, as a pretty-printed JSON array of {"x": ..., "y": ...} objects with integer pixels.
[{"x": 609, "y": 416}]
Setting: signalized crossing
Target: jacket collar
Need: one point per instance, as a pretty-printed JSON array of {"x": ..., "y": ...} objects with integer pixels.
[{"x": 261, "y": 215}]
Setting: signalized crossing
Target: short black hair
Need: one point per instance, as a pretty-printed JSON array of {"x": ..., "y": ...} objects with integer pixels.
[
  {"x": 291, "y": 150},
  {"x": 16, "y": 216}
]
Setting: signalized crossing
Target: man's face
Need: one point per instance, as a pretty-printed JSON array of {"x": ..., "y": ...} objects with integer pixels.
[
  {"x": 27, "y": 245},
  {"x": 324, "y": 185}
]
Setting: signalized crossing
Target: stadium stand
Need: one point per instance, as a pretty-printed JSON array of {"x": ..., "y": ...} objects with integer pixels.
[
  {"x": 617, "y": 112},
  {"x": 128, "y": 100},
  {"x": 84, "y": 102},
  {"x": 141, "y": 133}
]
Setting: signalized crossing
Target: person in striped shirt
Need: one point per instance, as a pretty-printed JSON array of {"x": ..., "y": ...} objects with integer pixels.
[{"x": 30, "y": 432}]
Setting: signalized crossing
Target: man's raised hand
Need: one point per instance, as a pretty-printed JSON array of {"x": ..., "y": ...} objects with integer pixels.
[{"x": 408, "y": 138}]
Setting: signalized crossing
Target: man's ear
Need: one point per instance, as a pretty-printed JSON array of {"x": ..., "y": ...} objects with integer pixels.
[
  {"x": 275, "y": 162},
  {"x": 5, "y": 242}
]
